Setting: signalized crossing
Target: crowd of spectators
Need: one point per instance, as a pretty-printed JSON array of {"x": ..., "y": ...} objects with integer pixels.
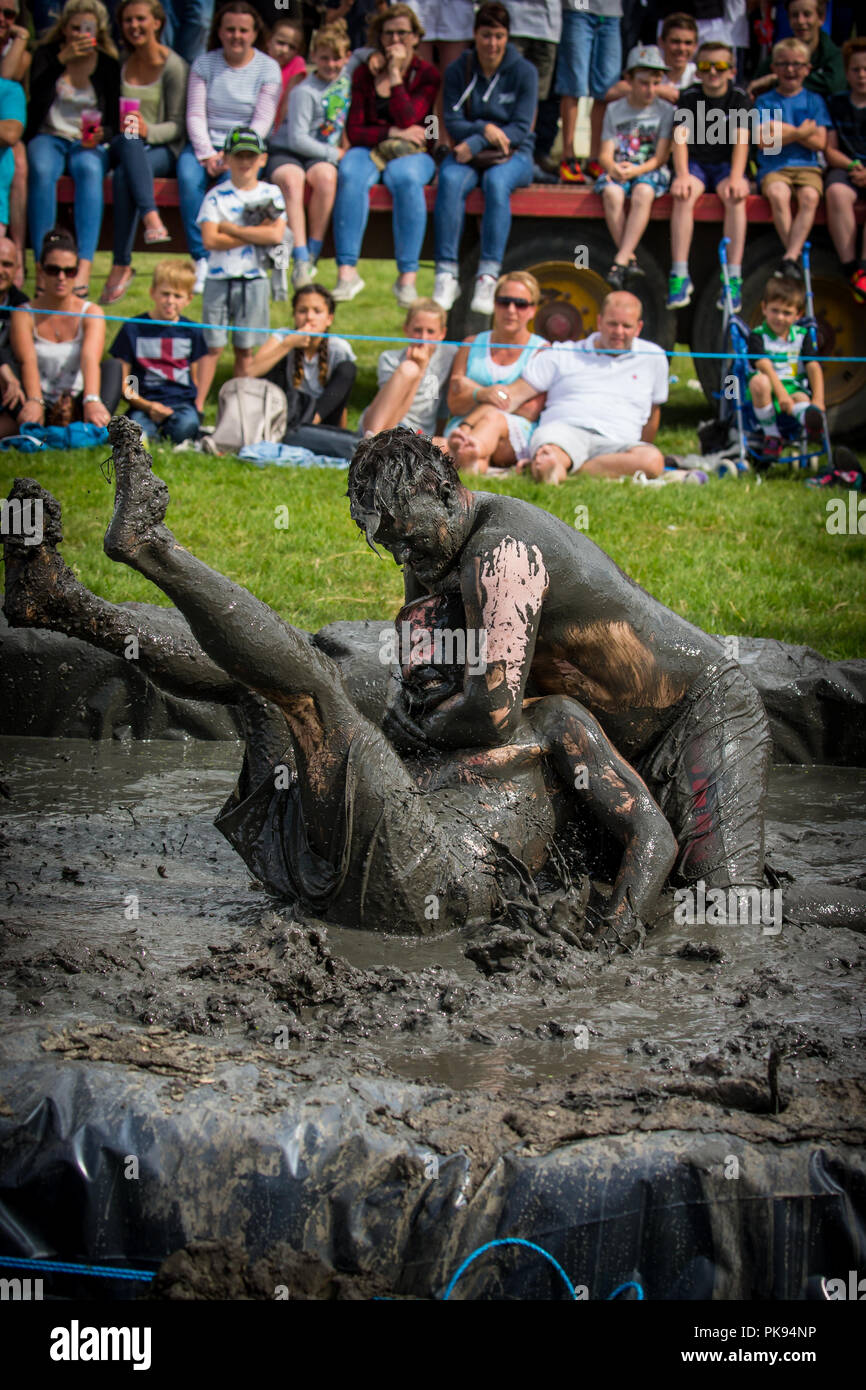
[{"x": 276, "y": 118}]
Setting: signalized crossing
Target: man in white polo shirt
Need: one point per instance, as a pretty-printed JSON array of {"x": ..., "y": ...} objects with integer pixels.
[{"x": 604, "y": 396}]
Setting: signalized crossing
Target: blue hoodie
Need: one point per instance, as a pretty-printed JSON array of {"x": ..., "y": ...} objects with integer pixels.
[{"x": 507, "y": 99}]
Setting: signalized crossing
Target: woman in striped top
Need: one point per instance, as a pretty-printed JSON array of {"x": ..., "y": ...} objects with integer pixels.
[{"x": 234, "y": 84}]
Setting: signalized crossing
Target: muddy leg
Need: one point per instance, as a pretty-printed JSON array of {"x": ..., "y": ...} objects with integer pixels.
[
  {"x": 617, "y": 798},
  {"x": 242, "y": 635},
  {"x": 42, "y": 591}
]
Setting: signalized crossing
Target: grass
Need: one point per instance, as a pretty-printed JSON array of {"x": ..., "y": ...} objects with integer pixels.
[{"x": 733, "y": 557}]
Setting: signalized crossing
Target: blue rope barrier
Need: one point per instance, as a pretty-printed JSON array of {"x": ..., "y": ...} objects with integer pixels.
[
  {"x": 629, "y": 1284},
  {"x": 62, "y": 1267},
  {"x": 389, "y": 338},
  {"x": 510, "y": 1240}
]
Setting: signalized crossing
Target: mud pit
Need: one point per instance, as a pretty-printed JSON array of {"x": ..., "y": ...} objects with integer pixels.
[{"x": 380, "y": 1102}]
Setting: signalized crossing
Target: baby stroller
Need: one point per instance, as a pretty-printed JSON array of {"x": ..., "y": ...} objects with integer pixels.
[{"x": 738, "y": 424}]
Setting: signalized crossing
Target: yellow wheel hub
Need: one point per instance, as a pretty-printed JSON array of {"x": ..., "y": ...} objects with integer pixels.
[{"x": 570, "y": 300}]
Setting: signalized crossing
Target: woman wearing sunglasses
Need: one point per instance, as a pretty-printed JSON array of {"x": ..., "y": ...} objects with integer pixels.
[
  {"x": 480, "y": 431},
  {"x": 59, "y": 349}
]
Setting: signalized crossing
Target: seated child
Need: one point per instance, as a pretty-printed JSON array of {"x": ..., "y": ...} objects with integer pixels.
[
  {"x": 705, "y": 163},
  {"x": 160, "y": 363},
  {"x": 286, "y": 47},
  {"x": 319, "y": 371},
  {"x": 239, "y": 216},
  {"x": 306, "y": 146},
  {"x": 786, "y": 381},
  {"x": 635, "y": 144},
  {"x": 412, "y": 380},
  {"x": 792, "y": 132},
  {"x": 845, "y": 183}
]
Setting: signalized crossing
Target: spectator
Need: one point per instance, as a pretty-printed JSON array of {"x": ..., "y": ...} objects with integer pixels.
[
  {"x": 796, "y": 129},
  {"x": 679, "y": 38},
  {"x": 703, "y": 162},
  {"x": 233, "y": 84},
  {"x": 75, "y": 73},
  {"x": 448, "y": 25},
  {"x": 305, "y": 151},
  {"x": 614, "y": 383},
  {"x": 14, "y": 66},
  {"x": 159, "y": 359},
  {"x": 536, "y": 28},
  {"x": 786, "y": 380},
  {"x": 151, "y": 139},
  {"x": 58, "y": 353},
  {"x": 475, "y": 394},
  {"x": 13, "y": 114},
  {"x": 846, "y": 159},
  {"x": 236, "y": 218},
  {"x": 319, "y": 366},
  {"x": 590, "y": 61},
  {"x": 826, "y": 71},
  {"x": 11, "y": 390},
  {"x": 286, "y": 47},
  {"x": 392, "y": 97},
  {"x": 635, "y": 144},
  {"x": 412, "y": 380},
  {"x": 188, "y": 24},
  {"x": 489, "y": 101}
]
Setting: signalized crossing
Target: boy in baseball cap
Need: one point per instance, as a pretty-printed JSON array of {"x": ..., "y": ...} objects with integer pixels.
[
  {"x": 635, "y": 145},
  {"x": 238, "y": 216}
]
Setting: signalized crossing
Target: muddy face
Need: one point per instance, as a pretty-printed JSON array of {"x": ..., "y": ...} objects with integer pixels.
[{"x": 423, "y": 532}]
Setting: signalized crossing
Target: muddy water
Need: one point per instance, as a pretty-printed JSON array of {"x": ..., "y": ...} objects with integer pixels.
[{"x": 120, "y": 901}]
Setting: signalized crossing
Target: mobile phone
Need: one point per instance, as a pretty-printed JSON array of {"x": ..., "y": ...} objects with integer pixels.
[{"x": 89, "y": 26}]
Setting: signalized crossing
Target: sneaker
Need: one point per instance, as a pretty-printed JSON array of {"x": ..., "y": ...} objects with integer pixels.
[
  {"x": 594, "y": 169},
  {"x": 772, "y": 446},
  {"x": 405, "y": 295},
  {"x": 571, "y": 172},
  {"x": 344, "y": 290},
  {"x": 633, "y": 271},
  {"x": 680, "y": 291},
  {"x": 541, "y": 175},
  {"x": 616, "y": 276},
  {"x": 482, "y": 299},
  {"x": 858, "y": 284},
  {"x": 813, "y": 423},
  {"x": 200, "y": 274},
  {"x": 302, "y": 274},
  {"x": 446, "y": 288},
  {"x": 790, "y": 268},
  {"x": 736, "y": 286}
]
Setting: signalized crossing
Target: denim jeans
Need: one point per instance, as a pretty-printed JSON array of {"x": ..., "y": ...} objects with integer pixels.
[
  {"x": 48, "y": 157},
  {"x": 183, "y": 423},
  {"x": 456, "y": 182},
  {"x": 187, "y": 26},
  {"x": 136, "y": 164},
  {"x": 404, "y": 178},
  {"x": 192, "y": 184},
  {"x": 590, "y": 55}
]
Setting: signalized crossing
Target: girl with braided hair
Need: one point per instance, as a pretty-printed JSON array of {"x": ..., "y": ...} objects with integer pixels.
[{"x": 315, "y": 368}]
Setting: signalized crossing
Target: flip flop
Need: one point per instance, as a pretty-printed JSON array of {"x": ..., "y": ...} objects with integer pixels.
[
  {"x": 153, "y": 236},
  {"x": 112, "y": 296}
]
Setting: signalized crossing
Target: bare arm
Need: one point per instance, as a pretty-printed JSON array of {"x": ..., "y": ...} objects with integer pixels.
[
  {"x": 10, "y": 132},
  {"x": 518, "y": 393},
  {"x": 273, "y": 350},
  {"x": 651, "y": 428}
]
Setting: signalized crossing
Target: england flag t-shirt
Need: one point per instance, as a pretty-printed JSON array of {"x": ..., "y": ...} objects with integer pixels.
[{"x": 160, "y": 356}]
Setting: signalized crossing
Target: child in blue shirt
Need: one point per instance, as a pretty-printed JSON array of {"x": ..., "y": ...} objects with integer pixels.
[
  {"x": 159, "y": 357},
  {"x": 794, "y": 125}
]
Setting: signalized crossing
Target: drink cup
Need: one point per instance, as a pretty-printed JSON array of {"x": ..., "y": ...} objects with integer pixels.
[
  {"x": 91, "y": 120},
  {"x": 129, "y": 106}
]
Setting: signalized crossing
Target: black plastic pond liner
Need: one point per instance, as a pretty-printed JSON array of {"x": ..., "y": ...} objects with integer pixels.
[{"x": 319, "y": 1172}]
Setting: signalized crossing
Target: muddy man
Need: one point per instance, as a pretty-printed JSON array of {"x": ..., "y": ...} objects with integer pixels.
[
  {"x": 326, "y": 811},
  {"x": 560, "y": 618}
]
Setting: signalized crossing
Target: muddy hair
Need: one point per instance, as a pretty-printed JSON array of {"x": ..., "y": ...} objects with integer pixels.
[
  {"x": 297, "y": 354},
  {"x": 391, "y": 466}
]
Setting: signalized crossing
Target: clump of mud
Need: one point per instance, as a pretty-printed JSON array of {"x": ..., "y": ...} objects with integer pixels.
[{"x": 222, "y": 1269}]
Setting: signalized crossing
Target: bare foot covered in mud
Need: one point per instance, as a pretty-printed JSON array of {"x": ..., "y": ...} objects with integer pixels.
[
  {"x": 141, "y": 499},
  {"x": 35, "y": 574}
]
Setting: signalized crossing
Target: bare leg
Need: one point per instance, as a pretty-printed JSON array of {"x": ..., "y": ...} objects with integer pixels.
[
  {"x": 778, "y": 195},
  {"x": 642, "y": 199},
  {"x": 207, "y": 366},
  {"x": 807, "y": 205},
  {"x": 322, "y": 179},
  {"x": 645, "y": 458},
  {"x": 613, "y": 202}
]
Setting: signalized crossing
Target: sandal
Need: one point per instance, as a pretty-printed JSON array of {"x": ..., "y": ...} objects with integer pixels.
[
  {"x": 82, "y": 291},
  {"x": 112, "y": 296},
  {"x": 154, "y": 235}
]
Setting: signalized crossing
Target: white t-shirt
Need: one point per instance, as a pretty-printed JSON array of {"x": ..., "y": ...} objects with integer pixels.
[
  {"x": 613, "y": 394},
  {"x": 225, "y": 203}
]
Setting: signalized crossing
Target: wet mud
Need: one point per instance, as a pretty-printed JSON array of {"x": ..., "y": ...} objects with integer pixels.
[{"x": 124, "y": 910}]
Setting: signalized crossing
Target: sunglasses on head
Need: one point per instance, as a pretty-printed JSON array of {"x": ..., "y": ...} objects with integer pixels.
[
  {"x": 55, "y": 270},
  {"x": 721, "y": 66},
  {"x": 503, "y": 300}
]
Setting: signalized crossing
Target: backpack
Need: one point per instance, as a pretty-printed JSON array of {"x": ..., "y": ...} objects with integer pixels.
[{"x": 249, "y": 411}]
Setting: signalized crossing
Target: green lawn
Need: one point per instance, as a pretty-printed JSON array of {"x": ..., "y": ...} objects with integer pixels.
[{"x": 734, "y": 557}]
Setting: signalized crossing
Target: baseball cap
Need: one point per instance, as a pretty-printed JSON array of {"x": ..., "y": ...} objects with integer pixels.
[
  {"x": 645, "y": 56},
  {"x": 242, "y": 138}
]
